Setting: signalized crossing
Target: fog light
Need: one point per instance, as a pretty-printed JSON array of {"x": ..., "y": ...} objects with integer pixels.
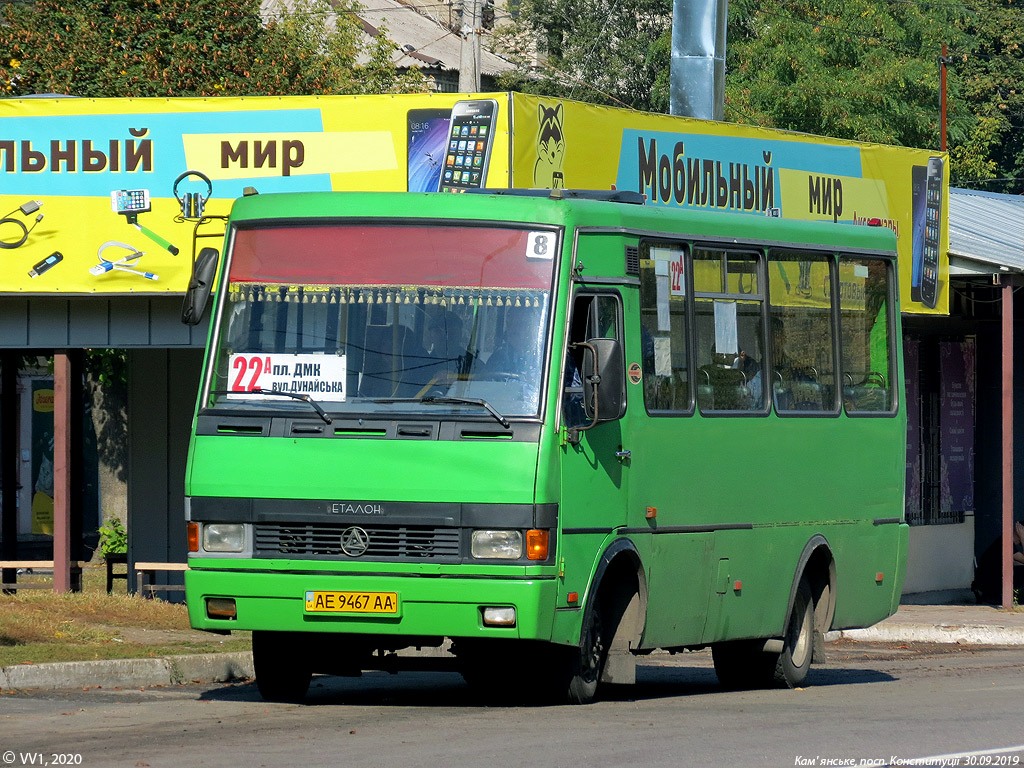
[
  {"x": 221, "y": 608},
  {"x": 223, "y": 537},
  {"x": 500, "y": 617}
]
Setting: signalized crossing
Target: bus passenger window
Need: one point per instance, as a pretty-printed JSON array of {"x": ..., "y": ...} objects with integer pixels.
[
  {"x": 865, "y": 301},
  {"x": 802, "y": 359},
  {"x": 729, "y": 325},
  {"x": 663, "y": 330}
]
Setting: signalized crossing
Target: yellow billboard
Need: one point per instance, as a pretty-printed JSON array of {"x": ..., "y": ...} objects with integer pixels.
[
  {"x": 115, "y": 196},
  {"x": 698, "y": 164}
]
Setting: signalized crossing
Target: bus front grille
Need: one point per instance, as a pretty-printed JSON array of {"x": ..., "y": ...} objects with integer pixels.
[{"x": 320, "y": 540}]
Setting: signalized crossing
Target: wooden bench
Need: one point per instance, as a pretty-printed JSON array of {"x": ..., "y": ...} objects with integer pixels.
[
  {"x": 41, "y": 565},
  {"x": 146, "y": 572},
  {"x": 112, "y": 559}
]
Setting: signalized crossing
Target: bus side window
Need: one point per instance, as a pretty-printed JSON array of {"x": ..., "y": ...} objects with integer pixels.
[
  {"x": 866, "y": 336},
  {"x": 729, "y": 326},
  {"x": 664, "y": 332},
  {"x": 802, "y": 359},
  {"x": 594, "y": 315}
]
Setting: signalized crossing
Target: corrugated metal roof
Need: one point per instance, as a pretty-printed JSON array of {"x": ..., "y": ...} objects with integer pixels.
[{"x": 987, "y": 227}]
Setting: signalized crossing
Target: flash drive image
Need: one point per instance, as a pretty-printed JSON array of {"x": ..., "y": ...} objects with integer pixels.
[{"x": 51, "y": 260}]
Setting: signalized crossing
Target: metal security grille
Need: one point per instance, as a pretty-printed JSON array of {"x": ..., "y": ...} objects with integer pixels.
[{"x": 384, "y": 541}]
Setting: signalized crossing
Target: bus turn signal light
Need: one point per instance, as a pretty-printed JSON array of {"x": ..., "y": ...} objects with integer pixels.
[
  {"x": 537, "y": 544},
  {"x": 193, "y": 537}
]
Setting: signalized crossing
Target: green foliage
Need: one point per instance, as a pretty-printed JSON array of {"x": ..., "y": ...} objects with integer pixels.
[
  {"x": 113, "y": 537},
  {"x": 102, "y": 48},
  {"x": 601, "y": 51}
]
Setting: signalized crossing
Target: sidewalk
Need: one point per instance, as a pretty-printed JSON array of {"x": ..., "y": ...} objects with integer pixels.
[{"x": 962, "y": 624}]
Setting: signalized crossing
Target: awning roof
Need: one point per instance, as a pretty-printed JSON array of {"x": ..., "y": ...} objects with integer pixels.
[{"x": 986, "y": 232}]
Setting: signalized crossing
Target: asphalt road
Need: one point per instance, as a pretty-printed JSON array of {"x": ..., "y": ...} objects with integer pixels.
[{"x": 870, "y": 704}]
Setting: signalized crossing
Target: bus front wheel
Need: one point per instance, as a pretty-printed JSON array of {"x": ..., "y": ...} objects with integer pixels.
[
  {"x": 281, "y": 663},
  {"x": 588, "y": 661}
]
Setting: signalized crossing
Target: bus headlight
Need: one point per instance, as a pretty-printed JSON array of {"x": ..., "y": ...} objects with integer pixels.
[
  {"x": 497, "y": 545},
  {"x": 223, "y": 537}
]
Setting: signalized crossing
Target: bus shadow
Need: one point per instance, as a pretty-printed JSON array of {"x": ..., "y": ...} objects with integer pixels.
[{"x": 448, "y": 689}]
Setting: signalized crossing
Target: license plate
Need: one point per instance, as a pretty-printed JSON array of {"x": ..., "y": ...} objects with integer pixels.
[{"x": 352, "y": 602}]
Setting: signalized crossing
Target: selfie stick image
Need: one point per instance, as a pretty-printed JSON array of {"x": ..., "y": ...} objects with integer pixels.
[{"x": 130, "y": 203}]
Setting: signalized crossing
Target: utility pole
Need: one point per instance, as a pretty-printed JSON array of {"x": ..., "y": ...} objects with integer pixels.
[
  {"x": 469, "y": 54},
  {"x": 943, "y": 61}
]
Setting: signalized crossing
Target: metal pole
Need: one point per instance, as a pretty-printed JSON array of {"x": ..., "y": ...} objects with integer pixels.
[
  {"x": 943, "y": 61},
  {"x": 469, "y": 53},
  {"x": 9, "y": 463},
  {"x": 1007, "y": 386},
  {"x": 61, "y": 472}
]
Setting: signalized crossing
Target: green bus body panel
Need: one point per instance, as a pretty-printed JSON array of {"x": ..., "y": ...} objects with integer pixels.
[
  {"x": 427, "y": 606},
  {"x": 363, "y": 469},
  {"x": 737, "y": 498}
]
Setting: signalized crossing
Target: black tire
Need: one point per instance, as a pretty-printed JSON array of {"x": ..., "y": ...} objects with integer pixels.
[
  {"x": 587, "y": 661},
  {"x": 282, "y": 667},
  {"x": 794, "y": 662}
]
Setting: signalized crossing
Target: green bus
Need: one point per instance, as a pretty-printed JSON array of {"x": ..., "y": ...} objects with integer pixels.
[{"x": 545, "y": 432}]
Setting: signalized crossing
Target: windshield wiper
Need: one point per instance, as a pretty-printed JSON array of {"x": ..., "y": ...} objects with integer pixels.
[
  {"x": 279, "y": 393},
  {"x": 449, "y": 401}
]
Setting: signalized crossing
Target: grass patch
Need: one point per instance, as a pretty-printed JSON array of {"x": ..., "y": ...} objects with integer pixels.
[{"x": 38, "y": 626}]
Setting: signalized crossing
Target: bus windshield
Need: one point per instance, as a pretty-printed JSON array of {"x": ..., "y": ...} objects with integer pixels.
[{"x": 385, "y": 318}]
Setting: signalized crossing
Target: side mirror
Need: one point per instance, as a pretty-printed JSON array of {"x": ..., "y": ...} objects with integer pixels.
[
  {"x": 603, "y": 384},
  {"x": 204, "y": 272},
  {"x": 603, "y": 377}
]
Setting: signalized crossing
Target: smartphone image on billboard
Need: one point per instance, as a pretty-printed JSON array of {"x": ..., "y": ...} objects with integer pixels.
[
  {"x": 426, "y": 140},
  {"x": 932, "y": 217},
  {"x": 470, "y": 137},
  {"x": 919, "y": 183}
]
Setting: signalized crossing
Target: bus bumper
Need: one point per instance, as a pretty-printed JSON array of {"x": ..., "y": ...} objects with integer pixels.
[{"x": 427, "y": 605}]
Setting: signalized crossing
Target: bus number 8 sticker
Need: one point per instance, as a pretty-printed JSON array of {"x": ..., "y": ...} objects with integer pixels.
[{"x": 540, "y": 245}]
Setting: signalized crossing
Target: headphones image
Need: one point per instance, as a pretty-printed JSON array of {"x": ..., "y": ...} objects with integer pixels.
[{"x": 193, "y": 203}]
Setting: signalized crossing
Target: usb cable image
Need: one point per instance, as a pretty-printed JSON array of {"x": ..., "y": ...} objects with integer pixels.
[
  {"x": 27, "y": 209},
  {"x": 124, "y": 264}
]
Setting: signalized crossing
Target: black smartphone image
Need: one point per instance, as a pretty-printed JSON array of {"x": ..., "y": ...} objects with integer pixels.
[
  {"x": 426, "y": 142},
  {"x": 932, "y": 217},
  {"x": 470, "y": 137},
  {"x": 919, "y": 183}
]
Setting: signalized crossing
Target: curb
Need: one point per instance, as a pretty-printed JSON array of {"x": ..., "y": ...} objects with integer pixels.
[
  {"x": 129, "y": 673},
  {"x": 224, "y": 667},
  {"x": 959, "y": 634}
]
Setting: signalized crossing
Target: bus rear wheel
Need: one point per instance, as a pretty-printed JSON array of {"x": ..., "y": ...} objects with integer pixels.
[
  {"x": 794, "y": 662},
  {"x": 745, "y": 663},
  {"x": 282, "y": 667}
]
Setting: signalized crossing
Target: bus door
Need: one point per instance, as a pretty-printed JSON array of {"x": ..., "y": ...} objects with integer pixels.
[
  {"x": 667, "y": 466},
  {"x": 594, "y": 471}
]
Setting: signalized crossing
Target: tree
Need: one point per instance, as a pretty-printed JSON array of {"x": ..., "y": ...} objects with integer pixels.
[
  {"x": 990, "y": 74},
  {"x": 601, "y": 51},
  {"x": 191, "y": 48}
]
